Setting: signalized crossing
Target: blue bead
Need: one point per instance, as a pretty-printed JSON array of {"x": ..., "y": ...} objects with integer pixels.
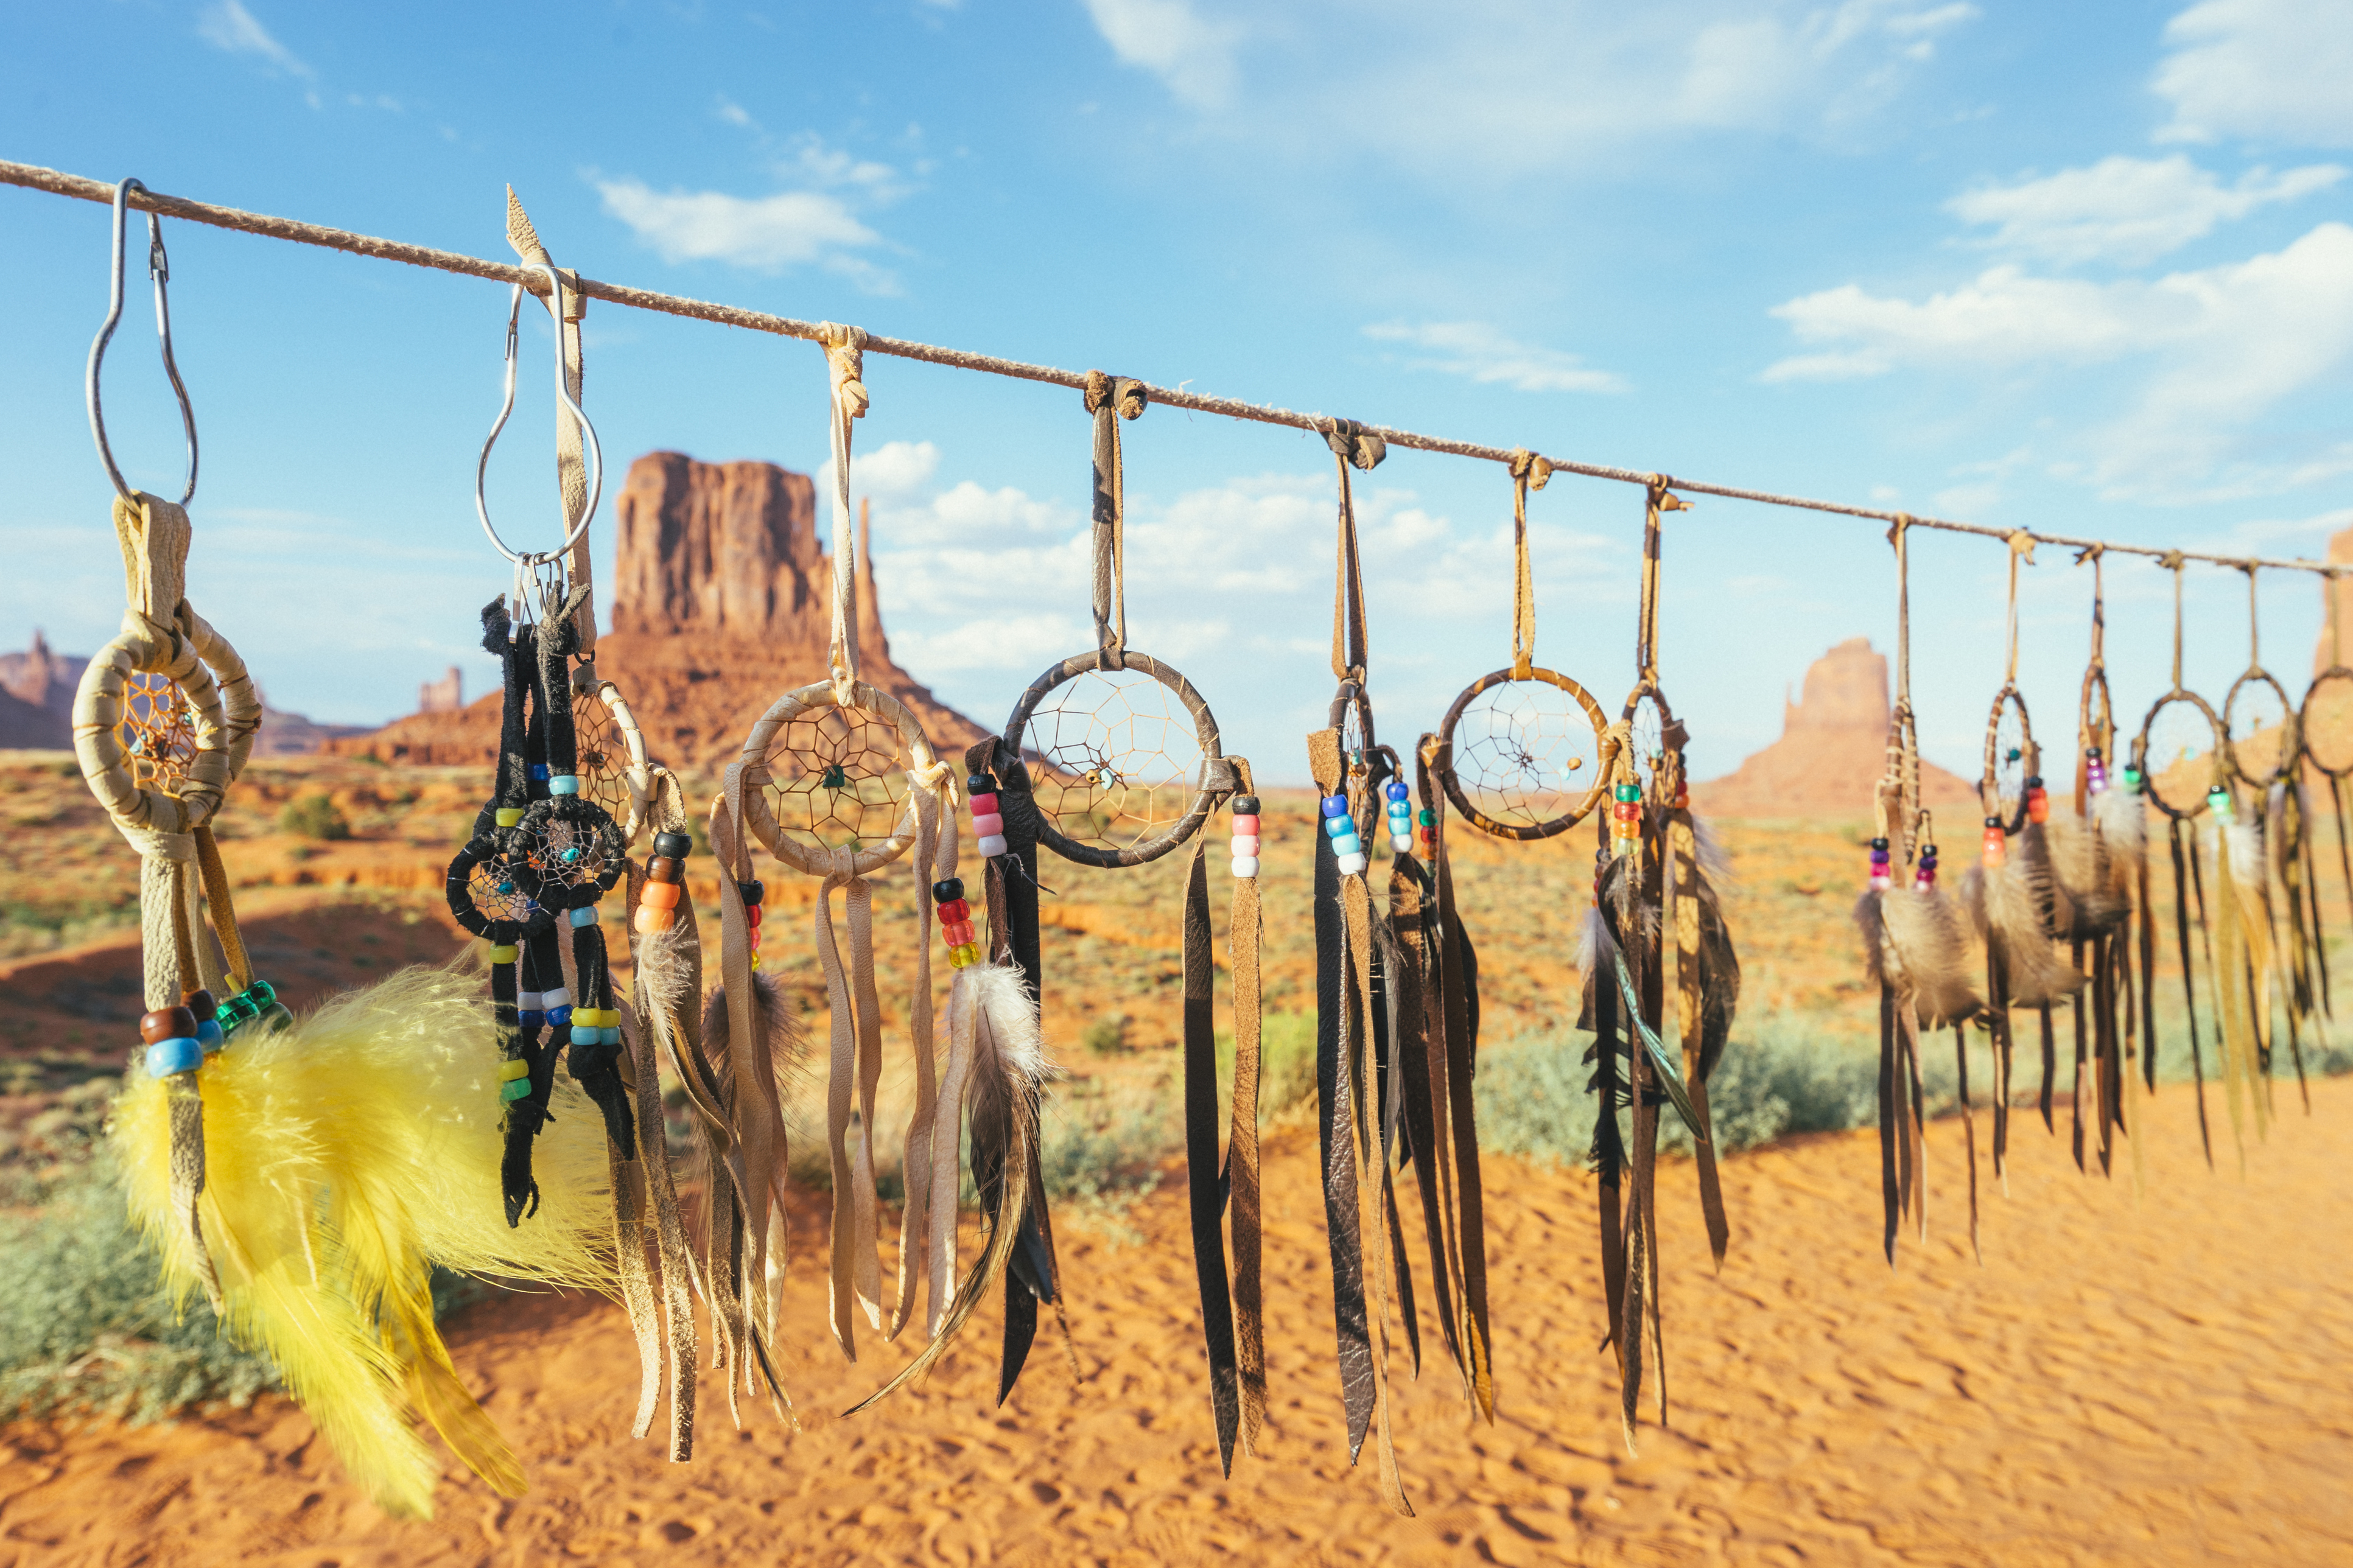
[
  {"x": 1338, "y": 826},
  {"x": 612, "y": 1035},
  {"x": 584, "y": 917},
  {"x": 571, "y": 854},
  {"x": 539, "y": 773},
  {"x": 506, "y": 886},
  {"x": 169, "y": 1058},
  {"x": 586, "y": 1035},
  {"x": 1397, "y": 790},
  {"x": 564, "y": 783},
  {"x": 531, "y": 1019},
  {"x": 209, "y": 1036},
  {"x": 1351, "y": 845},
  {"x": 559, "y": 1017},
  {"x": 1335, "y": 806}
]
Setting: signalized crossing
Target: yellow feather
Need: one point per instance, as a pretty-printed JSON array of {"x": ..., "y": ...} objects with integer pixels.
[{"x": 346, "y": 1155}]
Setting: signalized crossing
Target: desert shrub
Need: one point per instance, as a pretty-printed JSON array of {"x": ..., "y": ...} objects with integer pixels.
[
  {"x": 314, "y": 815},
  {"x": 1106, "y": 1037},
  {"x": 1286, "y": 1062}
]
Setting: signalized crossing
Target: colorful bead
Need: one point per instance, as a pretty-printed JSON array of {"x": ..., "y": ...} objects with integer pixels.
[
  {"x": 2218, "y": 800},
  {"x": 1352, "y": 863},
  {"x": 1997, "y": 845},
  {"x": 984, "y": 805},
  {"x": 1334, "y": 806},
  {"x": 660, "y": 896},
  {"x": 171, "y": 1058},
  {"x": 557, "y": 999},
  {"x": 2038, "y": 801},
  {"x": 1397, "y": 790},
  {"x": 1245, "y": 844},
  {"x": 650, "y": 921},
  {"x": 948, "y": 891},
  {"x": 990, "y": 825},
  {"x": 504, "y": 952},
  {"x": 166, "y": 1024},
  {"x": 1245, "y": 823},
  {"x": 964, "y": 957},
  {"x": 1628, "y": 792},
  {"x": 1340, "y": 827},
  {"x": 519, "y": 1089},
  {"x": 508, "y": 816},
  {"x": 1245, "y": 866},
  {"x": 2133, "y": 780},
  {"x": 751, "y": 892},
  {"x": 586, "y": 916},
  {"x": 992, "y": 846},
  {"x": 673, "y": 845},
  {"x": 1427, "y": 817},
  {"x": 564, "y": 783},
  {"x": 513, "y": 1069},
  {"x": 953, "y": 911},
  {"x": 664, "y": 868},
  {"x": 958, "y": 934}
]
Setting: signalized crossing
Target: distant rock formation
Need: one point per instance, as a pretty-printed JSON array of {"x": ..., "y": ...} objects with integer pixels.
[
  {"x": 1832, "y": 752},
  {"x": 722, "y": 603},
  {"x": 37, "y": 697},
  {"x": 446, "y": 695}
]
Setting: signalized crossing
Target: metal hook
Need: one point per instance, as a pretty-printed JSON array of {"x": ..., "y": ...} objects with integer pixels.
[
  {"x": 595, "y": 453},
  {"x": 159, "y": 267}
]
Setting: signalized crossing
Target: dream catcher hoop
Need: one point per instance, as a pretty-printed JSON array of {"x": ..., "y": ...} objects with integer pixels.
[
  {"x": 2289, "y": 745},
  {"x": 2338, "y": 677},
  {"x": 615, "y": 771},
  {"x": 2154, "y": 772},
  {"x": 1510, "y": 746}
]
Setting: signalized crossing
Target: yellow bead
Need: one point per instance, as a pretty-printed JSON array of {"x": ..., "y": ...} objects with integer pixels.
[
  {"x": 504, "y": 953},
  {"x": 509, "y": 815},
  {"x": 511, "y": 1070},
  {"x": 755, "y": 961},
  {"x": 964, "y": 957}
]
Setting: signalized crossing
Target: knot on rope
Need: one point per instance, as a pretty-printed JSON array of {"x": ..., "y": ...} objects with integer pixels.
[
  {"x": 1123, "y": 393},
  {"x": 1525, "y": 465},
  {"x": 2090, "y": 553},
  {"x": 1358, "y": 447},
  {"x": 2021, "y": 543},
  {"x": 932, "y": 775},
  {"x": 2171, "y": 560},
  {"x": 845, "y": 353},
  {"x": 1895, "y": 530},
  {"x": 1663, "y": 498}
]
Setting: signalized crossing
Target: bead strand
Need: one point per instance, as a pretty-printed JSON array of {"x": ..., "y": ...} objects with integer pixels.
[
  {"x": 955, "y": 923},
  {"x": 987, "y": 822},
  {"x": 665, "y": 886},
  {"x": 1880, "y": 861},
  {"x": 753, "y": 892},
  {"x": 1997, "y": 846},
  {"x": 170, "y": 1036},
  {"x": 1400, "y": 817},
  {"x": 2218, "y": 800},
  {"x": 1626, "y": 819},
  {"x": 534, "y": 1008},
  {"x": 2095, "y": 771},
  {"x": 2134, "y": 781},
  {"x": 1341, "y": 828},
  {"x": 2038, "y": 800},
  {"x": 1427, "y": 820},
  {"x": 1244, "y": 824},
  {"x": 1924, "y": 876}
]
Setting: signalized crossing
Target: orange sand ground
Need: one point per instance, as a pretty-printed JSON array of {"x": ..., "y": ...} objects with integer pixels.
[{"x": 2159, "y": 1381}]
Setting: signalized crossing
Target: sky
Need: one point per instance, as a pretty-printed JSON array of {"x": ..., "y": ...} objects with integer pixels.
[{"x": 2084, "y": 268}]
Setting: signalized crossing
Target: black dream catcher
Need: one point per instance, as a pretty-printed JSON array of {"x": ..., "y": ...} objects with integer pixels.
[{"x": 1112, "y": 759}]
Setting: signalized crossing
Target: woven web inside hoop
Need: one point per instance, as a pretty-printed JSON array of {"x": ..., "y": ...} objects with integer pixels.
[
  {"x": 838, "y": 778},
  {"x": 1648, "y": 728},
  {"x": 158, "y": 732},
  {"x": 2328, "y": 724},
  {"x": 1524, "y": 752},
  {"x": 2010, "y": 758},
  {"x": 2181, "y": 757},
  {"x": 493, "y": 888},
  {"x": 604, "y": 755},
  {"x": 1121, "y": 758}
]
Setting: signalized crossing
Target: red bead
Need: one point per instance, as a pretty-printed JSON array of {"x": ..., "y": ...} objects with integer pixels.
[
  {"x": 753, "y": 914},
  {"x": 954, "y": 910},
  {"x": 957, "y": 935}
]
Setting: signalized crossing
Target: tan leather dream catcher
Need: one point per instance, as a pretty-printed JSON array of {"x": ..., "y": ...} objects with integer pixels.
[{"x": 1112, "y": 759}]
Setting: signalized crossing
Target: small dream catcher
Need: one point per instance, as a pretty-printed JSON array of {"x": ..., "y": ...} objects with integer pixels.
[
  {"x": 1661, "y": 984},
  {"x": 1112, "y": 759},
  {"x": 2325, "y": 729}
]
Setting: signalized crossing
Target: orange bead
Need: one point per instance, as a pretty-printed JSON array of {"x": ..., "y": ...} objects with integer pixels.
[
  {"x": 660, "y": 895},
  {"x": 650, "y": 920}
]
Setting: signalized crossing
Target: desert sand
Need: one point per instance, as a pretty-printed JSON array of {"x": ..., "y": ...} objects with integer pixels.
[{"x": 2151, "y": 1377}]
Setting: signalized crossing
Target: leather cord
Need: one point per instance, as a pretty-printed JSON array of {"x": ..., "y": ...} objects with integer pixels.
[
  {"x": 1242, "y": 1158},
  {"x": 1111, "y": 399},
  {"x": 1529, "y": 472},
  {"x": 1202, "y": 1185}
]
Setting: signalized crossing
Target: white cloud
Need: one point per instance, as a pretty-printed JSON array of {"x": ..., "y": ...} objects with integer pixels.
[
  {"x": 2129, "y": 210},
  {"x": 228, "y": 25},
  {"x": 1482, "y": 353},
  {"x": 2269, "y": 70},
  {"x": 892, "y": 469},
  {"x": 1194, "y": 55},
  {"x": 2228, "y": 343},
  {"x": 765, "y": 234}
]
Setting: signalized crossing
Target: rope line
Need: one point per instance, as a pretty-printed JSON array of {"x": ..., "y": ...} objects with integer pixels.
[{"x": 33, "y": 177}]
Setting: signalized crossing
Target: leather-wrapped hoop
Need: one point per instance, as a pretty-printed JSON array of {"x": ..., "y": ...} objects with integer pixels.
[
  {"x": 1988, "y": 787},
  {"x": 762, "y": 819},
  {"x": 2291, "y": 731},
  {"x": 1442, "y": 760},
  {"x": 1205, "y": 730},
  {"x": 2214, "y": 757},
  {"x": 213, "y": 681},
  {"x": 2304, "y": 722},
  {"x": 637, "y": 774}
]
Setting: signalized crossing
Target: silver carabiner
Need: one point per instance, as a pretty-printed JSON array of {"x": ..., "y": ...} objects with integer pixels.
[
  {"x": 159, "y": 267},
  {"x": 595, "y": 452}
]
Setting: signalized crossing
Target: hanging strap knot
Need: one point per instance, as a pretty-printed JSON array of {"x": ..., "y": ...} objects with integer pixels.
[
  {"x": 1356, "y": 444},
  {"x": 845, "y": 358},
  {"x": 1895, "y": 531},
  {"x": 845, "y": 354},
  {"x": 2022, "y": 543},
  {"x": 1528, "y": 472},
  {"x": 1530, "y": 469},
  {"x": 2172, "y": 560},
  {"x": 2090, "y": 553},
  {"x": 1127, "y": 395},
  {"x": 1662, "y": 496}
]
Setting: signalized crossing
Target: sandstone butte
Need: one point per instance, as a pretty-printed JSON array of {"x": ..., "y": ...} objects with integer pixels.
[
  {"x": 721, "y": 604},
  {"x": 1833, "y": 750}
]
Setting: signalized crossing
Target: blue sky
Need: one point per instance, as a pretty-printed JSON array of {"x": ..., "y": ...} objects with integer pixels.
[{"x": 2087, "y": 267}]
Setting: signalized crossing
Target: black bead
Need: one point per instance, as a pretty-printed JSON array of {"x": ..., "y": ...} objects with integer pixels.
[
  {"x": 947, "y": 892},
  {"x": 2091, "y": 754},
  {"x": 753, "y": 892},
  {"x": 1245, "y": 805},
  {"x": 1878, "y": 844},
  {"x": 2034, "y": 780},
  {"x": 979, "y": 783},
  {"x": 673, "y": 845}
]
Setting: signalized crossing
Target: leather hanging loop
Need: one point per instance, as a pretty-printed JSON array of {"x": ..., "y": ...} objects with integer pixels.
[
  {"x": 2021, "y": 548},
  {"x": 1351, "y": 446},
  {"x": 1111, "y": 399},
  {"x": 2173, "y": 561},
  {"x": 1528, "y": 472},
  {"x": 845, "y": 359},
  {"x": 1659, "y": 499}
]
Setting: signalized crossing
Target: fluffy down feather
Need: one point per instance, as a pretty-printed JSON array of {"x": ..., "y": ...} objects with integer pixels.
[
  {"x": 2095, "y": 882},
  {"x": 346, "y": 1155},
  {"x": 1922, "y": 942},
  {"x": 2007, "y": 906}
]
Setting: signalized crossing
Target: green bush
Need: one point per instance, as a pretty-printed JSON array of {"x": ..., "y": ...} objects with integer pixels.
[
  {"x": 1286, "y": 1062},
  {"x": 1106, "y": 1037},
  {"x": 314, "y": 815}
]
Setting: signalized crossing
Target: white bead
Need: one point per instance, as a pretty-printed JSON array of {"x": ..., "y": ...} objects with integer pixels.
[
  {"x": 1401, "y": 842},
  {"x": 559, "y": 997},
  {"x": 1245, "y": 844},
  {"x": 1351, "y": 864},
  {"x": 992, "y": 845},
  {"x": 530, "y": 1001},
  {"x": 1245, "y": 866}
]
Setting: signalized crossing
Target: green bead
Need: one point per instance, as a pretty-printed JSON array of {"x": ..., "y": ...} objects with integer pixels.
[
  {"x": 1428, "y": 819},
  {"x": 517, "y": 1089},
  {"x": 1630, "y": 792}
]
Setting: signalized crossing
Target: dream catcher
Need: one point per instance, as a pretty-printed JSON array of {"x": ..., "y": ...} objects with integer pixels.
[
  {"x": 306, "y": 1176},
  {"x": 1661, "y": 983},
  {"x": 2177, "y": 763},
  {"x": 2016, "y": 899},
  {"x": 1110, "y": 759},
  {"x": 1918, "y": 944},
  {"x": 2261, "y": 750},
  {"x": 2098, "y": 864},
  {"x": 2325, "y": 729}
]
